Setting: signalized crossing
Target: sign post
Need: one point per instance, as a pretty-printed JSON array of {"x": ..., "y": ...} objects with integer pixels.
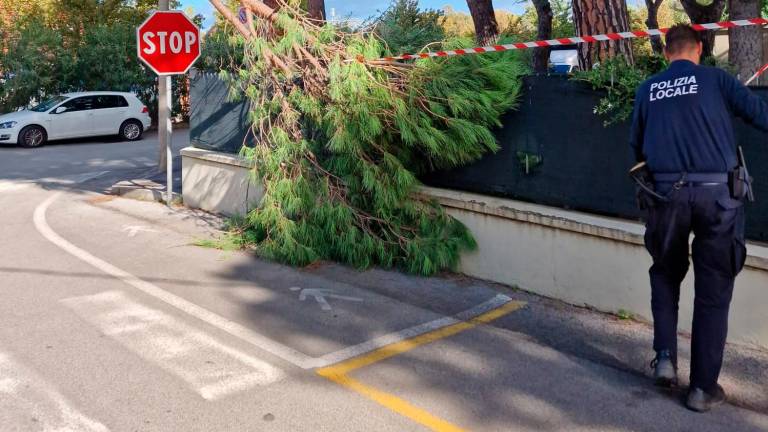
[
  {"x": 165, "y": 132},
  {"x": 169, "y": 44}
]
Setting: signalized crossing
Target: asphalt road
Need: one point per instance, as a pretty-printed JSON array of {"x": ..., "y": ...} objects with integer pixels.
[{"x": 113, "y": 320}]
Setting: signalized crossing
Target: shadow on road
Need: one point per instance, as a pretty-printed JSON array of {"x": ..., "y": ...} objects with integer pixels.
[{"x": 598, "y": 357}]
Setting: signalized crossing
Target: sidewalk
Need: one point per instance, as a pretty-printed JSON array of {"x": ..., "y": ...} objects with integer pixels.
[
  {"x": 146, "y": 184},
  {"x": 546, "y": 366}
]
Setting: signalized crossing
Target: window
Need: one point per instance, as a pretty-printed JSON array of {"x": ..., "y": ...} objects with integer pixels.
[
  {"x": 48, "y": 104},
  {"x": 80, "y": 104},
  {"x": 110, "y": 101}
]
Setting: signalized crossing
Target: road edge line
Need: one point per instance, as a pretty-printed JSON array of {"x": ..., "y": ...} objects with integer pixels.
[
  {"x": 339, "y": 373},
  {"x": 396, "y": 404},
  {"x": 409, "y": 344},
  {"x": 409, "y": 333}
]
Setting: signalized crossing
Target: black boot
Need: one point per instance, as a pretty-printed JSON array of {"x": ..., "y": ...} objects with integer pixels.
[
  {"x": 702, "y": 401},
  {"x": 665, "y": 369}
]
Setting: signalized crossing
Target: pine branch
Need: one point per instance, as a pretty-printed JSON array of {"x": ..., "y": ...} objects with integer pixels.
[{"x": 338, "y": 140}]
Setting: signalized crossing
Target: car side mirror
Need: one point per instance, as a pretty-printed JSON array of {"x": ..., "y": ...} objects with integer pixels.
[{"x": 60, "y": 110}]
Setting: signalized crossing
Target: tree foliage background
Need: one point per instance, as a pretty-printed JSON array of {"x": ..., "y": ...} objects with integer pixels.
[
  {"x": 406, "y": 28},
  {"x": 50, "y": 47}
]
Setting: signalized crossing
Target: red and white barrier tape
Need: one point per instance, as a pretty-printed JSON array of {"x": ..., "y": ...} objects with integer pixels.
[
  {"x": 577, "y": 40},
  {"x": 757, "y": 74}
]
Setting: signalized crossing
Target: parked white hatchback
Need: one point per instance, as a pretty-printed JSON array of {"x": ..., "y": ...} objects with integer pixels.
[{"x": 76, "y": 115}]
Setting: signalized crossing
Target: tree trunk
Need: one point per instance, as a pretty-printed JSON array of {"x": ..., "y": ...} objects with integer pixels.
[
  {"x": 653, "y": 23},
  {"x": 316, "y": 9},
  {"x": 593, "y": 17},
  {"x": 705, "y": 14},
  {"x": 544, "y": 32},
  {"x": 745, "y": 47},
  {"x": 486, "y": 28},
  {"x": 272, "y": 3}
]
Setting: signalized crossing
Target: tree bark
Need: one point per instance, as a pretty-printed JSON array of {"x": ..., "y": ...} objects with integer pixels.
[
  {"x": 544, "y": 32},
  {"x": 653, "y": 23},
  {"x": 700, "y": 14},
  {"x": 745, "y": 47},
  {"x": 272, "y": 4},
  {"x": 593, "y": 17},
  {"x": 486, "y": 28},
  {"x": 316, "y": 9}
]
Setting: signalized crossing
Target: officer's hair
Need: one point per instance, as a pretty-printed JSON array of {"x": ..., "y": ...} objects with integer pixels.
[{"x": 681, "y": 37}]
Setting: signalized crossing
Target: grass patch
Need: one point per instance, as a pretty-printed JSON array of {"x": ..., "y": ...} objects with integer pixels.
[
  {"x": 236, "y": 237},
  {"x": 227, "y": 242}
]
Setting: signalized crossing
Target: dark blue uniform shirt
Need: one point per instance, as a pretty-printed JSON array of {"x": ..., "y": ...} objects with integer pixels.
[{"x": 683, "y": 119}]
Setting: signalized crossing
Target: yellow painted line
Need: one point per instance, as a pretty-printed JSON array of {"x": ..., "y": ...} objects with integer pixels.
[
  {"x": 338, "y": 373},
  {"x": 401, "y": 347},
  {"x": 395, "y": 404}
]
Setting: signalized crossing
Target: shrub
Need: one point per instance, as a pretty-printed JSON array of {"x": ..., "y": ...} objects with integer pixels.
[{"x": 620, "y": 81}]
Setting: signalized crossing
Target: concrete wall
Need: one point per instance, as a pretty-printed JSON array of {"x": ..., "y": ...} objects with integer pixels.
[
  {"x": 588, "y": 260},
  {"x": 218, "y": 182},
  {"x": 576, "y": 257},
  {"x": 583, "y": 164}
]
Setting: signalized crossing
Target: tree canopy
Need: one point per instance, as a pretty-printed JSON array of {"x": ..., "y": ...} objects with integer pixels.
[{"x": 50, "y": 47}]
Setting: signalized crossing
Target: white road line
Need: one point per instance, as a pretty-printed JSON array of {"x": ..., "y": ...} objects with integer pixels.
[
  {"x": 71, "y": 179},
  {"x": 67, "y": 180},
  {"x": 212, "y": 369},
  {"x": 27, "y": 403},
  {"x": 8, "y": 186},
  {"x": 284, "y": 352},
  {"x": 374, "y": 344}
]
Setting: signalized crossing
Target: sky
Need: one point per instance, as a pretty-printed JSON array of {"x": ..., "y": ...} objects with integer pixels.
[{"x": 364, "y": 9}]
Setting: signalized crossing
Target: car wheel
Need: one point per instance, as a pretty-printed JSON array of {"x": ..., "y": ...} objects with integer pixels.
[
  {"x": 131, "y": 130},
  {"x": 32, "y": 136}
]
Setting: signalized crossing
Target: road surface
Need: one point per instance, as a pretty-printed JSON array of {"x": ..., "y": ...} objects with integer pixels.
[{"x": 112, "y": 319}]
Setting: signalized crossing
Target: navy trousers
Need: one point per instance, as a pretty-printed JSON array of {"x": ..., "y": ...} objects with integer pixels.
[{"x": 717, "y": 223}]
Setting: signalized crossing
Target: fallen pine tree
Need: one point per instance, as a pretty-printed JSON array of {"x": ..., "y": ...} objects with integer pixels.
[{"x": 341, "y": 136}]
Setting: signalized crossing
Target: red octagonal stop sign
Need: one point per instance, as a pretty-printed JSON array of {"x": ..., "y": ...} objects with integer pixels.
[{"x": 168, "y": 42}]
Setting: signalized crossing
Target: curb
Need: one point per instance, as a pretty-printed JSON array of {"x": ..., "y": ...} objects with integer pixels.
[{"x": 142, "y": 190}]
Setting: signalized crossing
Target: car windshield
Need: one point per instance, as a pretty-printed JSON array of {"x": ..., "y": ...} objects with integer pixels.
[{"x": 50, "y": 103}]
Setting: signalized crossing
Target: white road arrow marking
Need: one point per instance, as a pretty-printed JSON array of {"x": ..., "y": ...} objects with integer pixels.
[
  {"x": 320, "y": 296},
  {"x": 132, "y": 230}
]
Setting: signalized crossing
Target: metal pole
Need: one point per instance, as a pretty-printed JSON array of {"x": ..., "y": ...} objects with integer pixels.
[
  {"x": 164, "y": 90},
  {"x": 168, "y": 139}
]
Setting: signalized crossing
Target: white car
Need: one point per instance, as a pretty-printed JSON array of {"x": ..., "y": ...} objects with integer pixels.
[{"x": 76, "y": 115}]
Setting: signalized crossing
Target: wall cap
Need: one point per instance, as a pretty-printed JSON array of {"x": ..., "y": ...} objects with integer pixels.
[
  {"x": 583, "y": 223},
  {"x": 217, "y": 157}
]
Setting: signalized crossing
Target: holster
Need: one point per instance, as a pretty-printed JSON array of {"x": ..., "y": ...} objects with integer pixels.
[
  {"x": 646, "y": 194},
  {"x": 739, "y": 183}
]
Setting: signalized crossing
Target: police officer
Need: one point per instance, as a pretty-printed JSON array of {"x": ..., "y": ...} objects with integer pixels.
[{"x": 682, "y": 129}]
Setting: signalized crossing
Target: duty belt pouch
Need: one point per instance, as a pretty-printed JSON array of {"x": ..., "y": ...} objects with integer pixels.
[{"x": 738, "y": 183}]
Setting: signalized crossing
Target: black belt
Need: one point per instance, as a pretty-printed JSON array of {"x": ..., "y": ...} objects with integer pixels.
[{"x": 692, "y": 179}]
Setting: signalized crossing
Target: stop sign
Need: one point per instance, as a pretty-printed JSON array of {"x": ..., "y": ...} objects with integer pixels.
[{"x": 168, "y": 42}]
